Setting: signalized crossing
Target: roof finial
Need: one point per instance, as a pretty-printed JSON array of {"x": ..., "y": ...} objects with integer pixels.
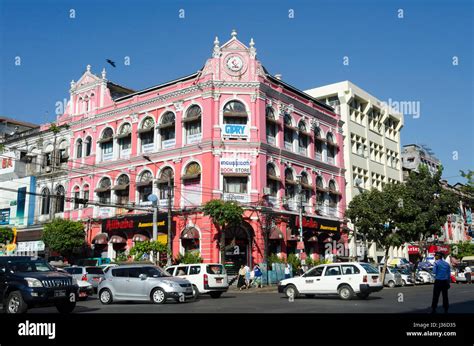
[
  {"x": 233, "y": 33},
  {"x": 103, "y": 73},
  {"x": 216, "y": 52},
  {"x": 252, "y": 43},
  {"x": 88, "y": 67},
  {"x": 252, "y": 49},
  {"x": 73, "y": 83}
]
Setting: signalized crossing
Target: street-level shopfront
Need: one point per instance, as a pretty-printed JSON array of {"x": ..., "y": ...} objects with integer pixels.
[
  {"x": 118, "y": 235},
  {"x": 322, "y": 238},
  {"x": 414, "y": 252},
  {"x": 29, "y": 242}
]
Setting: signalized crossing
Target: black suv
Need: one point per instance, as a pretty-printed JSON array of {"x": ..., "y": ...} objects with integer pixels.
[{"x": 27, "y": 282}]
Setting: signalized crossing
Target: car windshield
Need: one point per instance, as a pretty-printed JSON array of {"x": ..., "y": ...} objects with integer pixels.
[
  {"x": 94, "y": 270},
  {"x": 155, "y": 272},
  {"x": 369, "y": 268},
  {"x": 30, "y": 266}
]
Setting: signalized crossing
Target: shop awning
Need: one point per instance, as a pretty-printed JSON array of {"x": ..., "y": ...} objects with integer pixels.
[
  {"x": 291, "y": 182},
  {"x": 272, "y": 120},
  {"x": 191, "y": 176},
  {"x": 120, "y": 187},
  {"x": 188, "y": 119},
  {"x": 116, "y": 239},
  {"x": 102, "y": 189},
  {"x": 100, "y": 239},
  {"x": 143, "y": 183},
  {"x": 273, "y": 177},
  {"x": 124, "y": 135},
  {"x": 275, "y": 234},
  {"x": 190, "y": 233},
  {"x": 140, "y": 237}
]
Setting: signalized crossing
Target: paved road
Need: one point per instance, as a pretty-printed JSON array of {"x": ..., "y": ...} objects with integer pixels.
[{"x": 397, "y": 300}]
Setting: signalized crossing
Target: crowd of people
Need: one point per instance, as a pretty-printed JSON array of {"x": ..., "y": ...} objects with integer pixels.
[{"x": 249, "y": 278}]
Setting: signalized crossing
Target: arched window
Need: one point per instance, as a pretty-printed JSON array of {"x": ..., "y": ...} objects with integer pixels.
[
  {"x": 167, "y": 130},
  {"x": 320, "y": 191},
  {"x": 318, "y": 144},
  {"x": 166, "y": 180},
  {"x": 303, "y": 138},
  {"x": 88, "y": 146},
  {"x": 333, "y": 197},
  {"x": 146, "y": 133},
  {"x": 107, "y": 144},
  {"x": 290, "y": 186},
  {"x": 77, "y": 196},
  {"x": 144, "y": 186},
  {"x": 235, "y": 119},
  {"x": 122, "y": 189},
  {"x": 288, "y": 132},
  {"x": 104, "y": 191},
  {"x": 307, "y": 189},
  {"x": 79, "y": 148},
  {"x": 190, "y": 239},
  {"x": 192, "y": 124},
  {"x": 60, "y": 199},
  {"x": 125, "y": 140},
  {"x": 85, "y": 195},
  {"x": 45, "y": 201},
  {"x": 63, "y": 151},
  {"x": 331, "y": 148},
  {"x": 272, "y": 126},
  {"x": 273, "y": 180},
  {"x": 192, "y": 185}
]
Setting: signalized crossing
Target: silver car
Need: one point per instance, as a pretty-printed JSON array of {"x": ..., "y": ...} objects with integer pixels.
[
  {"x": 392, "y": 277},
  {"x": 142, "y": 283}
]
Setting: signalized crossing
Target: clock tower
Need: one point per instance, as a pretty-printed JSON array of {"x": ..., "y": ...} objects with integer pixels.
[{"x": 234, "y": 61}]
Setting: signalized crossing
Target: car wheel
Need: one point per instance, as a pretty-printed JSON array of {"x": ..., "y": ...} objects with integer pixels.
[
  {"x": 404, "y": 283},
  {"x": 195, "y": 292},
  {"x": 215, "y": 294},
  {"x": 105, "y": 296},
  {"x": 391, "y": 284},
  {"x": 362, "y": 295},
  {"x": 345, "y": 292},
  {"x": 309, "y": 295},
  {"x": 65, "y": 307},
  {"x": 291, "y": 291},
  {"x": 158, "y": 296},
  {"x": 14, "y": 304}
]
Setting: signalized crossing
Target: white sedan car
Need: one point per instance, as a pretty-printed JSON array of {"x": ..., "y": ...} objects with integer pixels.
[{"x": 345, "y": 279}]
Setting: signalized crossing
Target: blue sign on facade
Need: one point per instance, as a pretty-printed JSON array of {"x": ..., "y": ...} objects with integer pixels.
[
  {"x": 5, "y": 216},
  {"x": 235, "y": 130}
]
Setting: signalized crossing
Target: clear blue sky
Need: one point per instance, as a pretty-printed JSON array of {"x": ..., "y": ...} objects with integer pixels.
[{"x": 407, "y": 59}]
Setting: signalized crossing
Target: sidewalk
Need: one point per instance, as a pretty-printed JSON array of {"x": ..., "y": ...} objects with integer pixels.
[{"x": 264, "y": 289}]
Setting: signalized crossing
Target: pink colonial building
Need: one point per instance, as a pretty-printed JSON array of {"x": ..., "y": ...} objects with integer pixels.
[{"x": 230, "y": 131}]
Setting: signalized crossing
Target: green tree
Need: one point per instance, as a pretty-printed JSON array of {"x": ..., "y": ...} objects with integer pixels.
[
  {"x": 469, "y": 186},
  {"x": 64, "y": 236},
  {"x": 6, "y": 235},
  {"x": 223, "y": 214},
  {"x": 380, "y": 215},
  {"x": 189, "y": 257},
  {"x": 432, "y": 205},
  {"x": 145, "y": 247},
  {"x": 463, "y": 249}
]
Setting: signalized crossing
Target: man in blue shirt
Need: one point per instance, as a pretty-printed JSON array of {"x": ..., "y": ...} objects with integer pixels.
[{"x": 442, "y": 273}]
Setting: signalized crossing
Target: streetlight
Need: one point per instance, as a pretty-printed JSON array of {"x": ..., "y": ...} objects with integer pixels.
[
  {"x": 300, "y": 208},
  {"x": 168, "y": 254}
]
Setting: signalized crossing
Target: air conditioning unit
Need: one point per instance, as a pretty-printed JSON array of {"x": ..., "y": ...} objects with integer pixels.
[
  {"x": 47, "y": 169},
  {"x": 267, "y": 191}
]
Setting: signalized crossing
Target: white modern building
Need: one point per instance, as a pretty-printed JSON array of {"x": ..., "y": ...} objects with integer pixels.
[{"x": 371, "y": 145}]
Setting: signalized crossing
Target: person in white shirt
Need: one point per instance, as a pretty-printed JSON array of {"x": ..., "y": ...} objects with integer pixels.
[
  {"x": 287, "y": 271},
  {"x": 467, "y": 274}
]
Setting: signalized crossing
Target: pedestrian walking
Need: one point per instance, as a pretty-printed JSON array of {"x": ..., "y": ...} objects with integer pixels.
[
  {"x": 287, "y": 271},
  {"x": 241, "y": 277},
  {"x": 247, "y": 276},
  {"x": 299, "y": 271},
  {"x": 467, "y": 274},
  {"x": 257, "y": 276},
  {"x": 442, "y": 273}
]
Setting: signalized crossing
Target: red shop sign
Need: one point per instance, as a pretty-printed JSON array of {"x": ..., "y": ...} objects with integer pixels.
[
  {"x": 413, "y": 250},
  {"x": 439, "y": 248}
]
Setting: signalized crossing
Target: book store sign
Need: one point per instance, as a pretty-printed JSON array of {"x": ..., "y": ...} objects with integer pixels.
[{"x": 235, "y": 165}]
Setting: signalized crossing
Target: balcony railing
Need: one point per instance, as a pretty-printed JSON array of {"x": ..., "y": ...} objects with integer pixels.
[
  {"x": 290, "y": 203},
  {"x": 147, "y": 148},
  {"x": 271, "y": 140},
  {"x": 331, "y": 160},
  {"x": 190, "y": 139},
  {"x": 302, "y": 151},
  {"x": 288, "y": 146},
  {"x": 169, "y": 143},
  {"x": 319, "y": 156}
]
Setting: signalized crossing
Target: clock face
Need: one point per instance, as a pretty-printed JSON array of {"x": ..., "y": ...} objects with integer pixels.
[{"x": 235, "y": 63}]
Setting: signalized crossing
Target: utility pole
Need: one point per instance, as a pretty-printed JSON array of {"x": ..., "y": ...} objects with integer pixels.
[
  {"x": 170, "y": 192},
  {"x": 300, "y": 209}
]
